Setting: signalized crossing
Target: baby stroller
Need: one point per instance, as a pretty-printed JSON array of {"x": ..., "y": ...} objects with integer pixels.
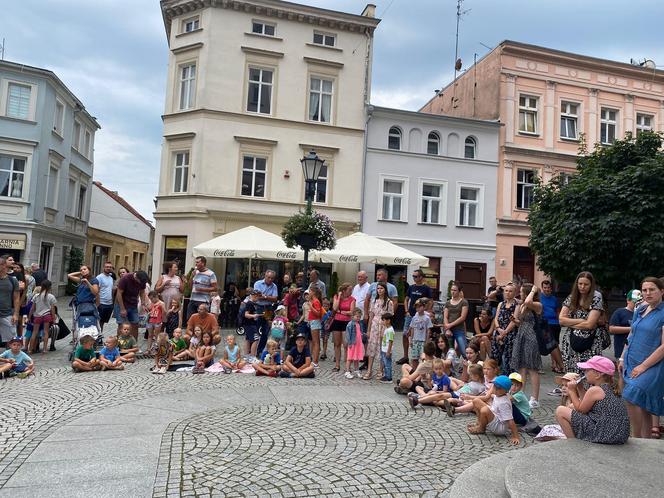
[{"x": 86, "y": 322}]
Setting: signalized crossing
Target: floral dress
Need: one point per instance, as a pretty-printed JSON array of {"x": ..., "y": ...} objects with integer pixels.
[
  {"x": 376, "y": 326},
  {"x": 504, "y": 351},
  {"x": 571, "y": 357},
  {"x": 525, "y": 349}
]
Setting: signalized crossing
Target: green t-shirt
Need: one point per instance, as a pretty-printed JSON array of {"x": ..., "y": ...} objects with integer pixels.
[
  {"x": 520, "y": 400},
  {"x": 388, "y": 335},
  {"x": 179, "y": 345},
  {"x": 84, "y": 354},
  {"x": 126, "y": 342}
]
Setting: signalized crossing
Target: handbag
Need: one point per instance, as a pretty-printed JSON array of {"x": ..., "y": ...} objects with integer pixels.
[{"x": 579, "y": 342}]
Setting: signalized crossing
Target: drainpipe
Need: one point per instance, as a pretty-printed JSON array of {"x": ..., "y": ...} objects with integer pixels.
[{"x": 364, "y": 161}]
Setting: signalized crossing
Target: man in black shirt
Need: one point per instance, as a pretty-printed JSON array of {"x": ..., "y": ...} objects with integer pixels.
[{"x": 415, "y": 291}]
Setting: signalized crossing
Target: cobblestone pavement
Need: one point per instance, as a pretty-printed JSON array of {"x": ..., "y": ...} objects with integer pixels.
[{"x": 66, "y": 434}]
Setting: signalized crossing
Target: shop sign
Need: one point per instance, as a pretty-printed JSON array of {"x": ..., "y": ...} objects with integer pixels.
[{"x": 12, "y": 241}]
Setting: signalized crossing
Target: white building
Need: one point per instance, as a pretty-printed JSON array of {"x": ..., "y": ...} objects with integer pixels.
[
  {"x": 252, "y": 87},
  {"x": 430, "y": 186}
]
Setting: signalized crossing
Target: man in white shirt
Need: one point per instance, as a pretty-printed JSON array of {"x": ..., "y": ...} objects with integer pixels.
[
  {"x": 105, "y": 296},
  {"x": 361, "y": 291}
]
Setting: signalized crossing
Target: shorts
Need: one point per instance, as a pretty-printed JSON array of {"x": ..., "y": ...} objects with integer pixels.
[
  {"x": 339, "y": 325},
  {"x": 251, "y": 333},
  {"x": 315, "y": 325},
  {"x": 105, "y": 313},
  {"x": 20, "y": 367},
  {"x": 132, "y": 316},
  {"x": 24, "y": 310},
  {"x": 406, "y": 322},
  {"x": 7, "y": 328},
  {"x": 416, "y": 349},
  {"x": 498, "y": 428},
  {"x": 45, "y": 319},
  {"x": 152, "y": 326}
]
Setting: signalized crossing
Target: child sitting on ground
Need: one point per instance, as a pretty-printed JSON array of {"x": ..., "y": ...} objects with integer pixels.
[
  {"x": 270, "y": 361},
  {"x": 127, "y": 344},
  {"x": 298, "y": 362},
  {"x": 474, "y": 387},
  {"x": 178, "y": 342},
  {"x": 194, "y": 342},
  {"x": 279, "y": 327},
  {"x": 232, "y": 362},
  {"x": 411, "y": 378},
  {"x": 496, "y": 418},
  {"x": 164, "y": 354},
  {"x": 441, "y": 387},
  {"x": 354, "y": 346},
  {"x": 13, "y": 361},
  {"x": 598, "y": 415},
  {"x": 109, "y": 356},
  {"x": 204, "y": 354},
  {"x": 85, "y": 358},
  {"x": 521, "y": 410},
  {"x": 490, "y": 368},
  {"x": 157, "y": 311},
  {"x": 386, "y": 343}
]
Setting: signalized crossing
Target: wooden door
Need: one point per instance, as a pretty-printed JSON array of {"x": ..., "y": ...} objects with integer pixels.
[
  {"x": 523, "y": 268},
  {"x": 472, "y": 278}
]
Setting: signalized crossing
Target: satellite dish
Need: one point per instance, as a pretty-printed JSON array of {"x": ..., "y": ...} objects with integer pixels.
[{"x": 648, "y": 64}]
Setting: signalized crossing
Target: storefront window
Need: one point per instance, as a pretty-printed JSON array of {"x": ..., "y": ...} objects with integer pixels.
[{"x": 175, "y": 249}]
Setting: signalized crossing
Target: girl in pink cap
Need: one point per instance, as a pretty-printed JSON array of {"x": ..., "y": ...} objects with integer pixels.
[{"x": 598, "y": 416}]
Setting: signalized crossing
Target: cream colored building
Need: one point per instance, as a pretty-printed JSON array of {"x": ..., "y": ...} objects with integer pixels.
[{"x": 251, "y": 88}]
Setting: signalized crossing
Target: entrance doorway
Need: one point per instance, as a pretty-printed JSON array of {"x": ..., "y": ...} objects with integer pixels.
[
  {"x": 472, "y": 277},
  {"x": 524, "y": 264}
]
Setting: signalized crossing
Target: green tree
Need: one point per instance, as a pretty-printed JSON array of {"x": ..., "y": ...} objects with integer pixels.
[
  {"x": 608, "y": 218},
  {"x": 75, "y": 262}
]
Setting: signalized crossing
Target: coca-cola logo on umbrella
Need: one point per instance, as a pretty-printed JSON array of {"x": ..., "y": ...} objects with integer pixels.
[
  {"x": 402, "y": 261},
  {"x": 286, "y": 254},
  {"x": 224, "y": 253},
  {"x": 350, "y": 258}
]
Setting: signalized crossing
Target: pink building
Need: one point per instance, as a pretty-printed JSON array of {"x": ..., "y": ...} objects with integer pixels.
[{"x": 546, "y": 100}]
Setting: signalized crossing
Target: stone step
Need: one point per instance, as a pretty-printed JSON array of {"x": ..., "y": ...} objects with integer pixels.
[{"x": 485, "y": 478}]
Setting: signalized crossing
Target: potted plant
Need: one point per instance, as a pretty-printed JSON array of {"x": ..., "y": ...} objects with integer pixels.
[{"x": 309, "y": 229}]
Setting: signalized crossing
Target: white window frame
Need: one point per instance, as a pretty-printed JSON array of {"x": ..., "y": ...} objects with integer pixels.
[
  {"x": 321, "y": 93},
  {"x": 404, "y": 180},
  {"x": 567, "y": 115},
  {"x": 263, "y": 25},
  {"x": 87, "y": 143},
  {"x": 442, "y": 200},
  {"x": 474, "y": 146},
  {"x": 52, "y": 180},
  {"x": 261, "y": 88},
  {"x": 27, "y": 86},
  {"x": 81, "y": 201},
  {"x": 59, "y": 121},
  {"x": 187, "y": 85},
  {"x": 526, "y": 185},
  {"x": 254, "y": 172},
  {"x": 433, "y": 137},
  {"x": 326, "y": 36},
  {"x": 323, "y": 178},
  {"x": 4, "y": 98},
  {"x": 183, "y": 188},
  {"x": 13, "y": 175},
  {"x": 528, "y": 109},
  {"x": 641, "y": 126},
  {"x": 479, "y": 211},
  {"x": 607, "y": 122},
  {"x": 72, "y": 193},
  {"x": 77, "y": 129},
  {"x": 194, "y": 21},
  {"x": 391, "y": 135}
]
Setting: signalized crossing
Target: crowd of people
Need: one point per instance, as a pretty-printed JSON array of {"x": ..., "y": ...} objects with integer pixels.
[{"x": 489, "y": 364}]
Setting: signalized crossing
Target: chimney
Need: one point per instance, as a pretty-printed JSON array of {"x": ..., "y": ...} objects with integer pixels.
[{"x": 369, "y": 10}]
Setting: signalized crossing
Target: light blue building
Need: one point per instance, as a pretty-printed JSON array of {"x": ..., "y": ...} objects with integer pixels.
[{"x": 46, "y": 168}]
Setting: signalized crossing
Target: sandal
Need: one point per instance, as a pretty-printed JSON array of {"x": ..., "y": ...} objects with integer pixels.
[
  {"x": 655, "y": 432},
  {"x": 366, "y": 376},
  {"x": 335, "y": 369}
]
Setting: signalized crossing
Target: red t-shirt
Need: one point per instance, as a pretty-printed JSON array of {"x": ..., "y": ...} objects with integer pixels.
[
  {"x": 315, "y": 312},
  {"x": 345, "y": 305}
]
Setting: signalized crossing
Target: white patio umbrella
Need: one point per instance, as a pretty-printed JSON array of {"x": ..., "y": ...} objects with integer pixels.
[
  {"x": 249, "y": 242},
  {"x": 362, "y": 248}
]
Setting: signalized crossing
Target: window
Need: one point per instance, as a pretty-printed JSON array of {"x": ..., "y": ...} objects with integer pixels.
[
  {"x": 569, "y": 116},
  {"x": 181, "y": 176},
  {"x": 45, "y": 257},
  {"x": 326, "y": 39},
  {"x": 320, "y": 100},
  {"x": 320, "y": 192},
  {"x": 191, "y": 24},
  {"x": 469, "y": 148},
  {"x": 565, "y": 178},
  {"x": 260, "y": 91},
  {"x": 72, "y": 197},
  {"x": 262, "y": 28},
  {"x": 469, "y": 206},
  {"x": 393, "y": 198},
  {"x": 527, "y": 114},
  {"x": 80, "y": 212},
  {"x": 12, "y": 175},
  {"x": 432, "y": 203},
  {"x": 76, "y": 138},
  {"x": 607, "y": 126},
  {"x": 394, "y": 139},
  {"x": 87, "y": 144},
  {"x": 52, "y": 188},
  {"x": 253, "y": 176},
  {"x": 643, "y": 123},
  {"x": 187, "y": 86},
  {"x": 525, "y": 184},
  {"x": 58, "y": 117},
  {"x": 18, "y": 101},
  {"x": 433, "y": 143}
]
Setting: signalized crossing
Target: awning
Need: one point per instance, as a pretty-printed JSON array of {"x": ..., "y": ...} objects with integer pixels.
[
  {"x": 248, "y": 242},
  {"x": 362, "y": 248}
]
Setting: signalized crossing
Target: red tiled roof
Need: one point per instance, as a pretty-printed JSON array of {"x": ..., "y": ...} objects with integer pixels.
[{"x": 122, "y": 202}]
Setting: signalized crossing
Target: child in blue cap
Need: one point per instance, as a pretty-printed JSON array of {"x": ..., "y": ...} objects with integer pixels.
[{"x": 496, "y": 418}]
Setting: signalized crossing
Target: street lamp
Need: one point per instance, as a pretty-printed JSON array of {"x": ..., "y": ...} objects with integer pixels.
[{"x": 311, "y": 167}]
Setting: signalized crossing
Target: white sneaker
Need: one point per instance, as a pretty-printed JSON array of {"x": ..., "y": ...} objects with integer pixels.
[
  {"x": 315, "y": 365},
  {"x": 358, "y": 374},
  {"x": 348, "y": 375},
  {"x": 533, "y": 403}
]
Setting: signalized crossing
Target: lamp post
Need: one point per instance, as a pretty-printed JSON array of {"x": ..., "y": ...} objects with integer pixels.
[{"x": 311, "y": 167}]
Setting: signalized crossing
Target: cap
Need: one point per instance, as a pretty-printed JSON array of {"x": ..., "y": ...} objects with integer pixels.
[
  {"x": 599, "y": 363},
  {"x": 567, "y": 377},
  {"x": 503, "y": 382},
  {"x": 15, "y": 339},
  {"x": 281, "y": 307},
  {"x": 634, "y": 295},
  {"x": 517, "y": 377},
  {"x": 255, "y": 292},
  {"x": 301, "y": 335}
]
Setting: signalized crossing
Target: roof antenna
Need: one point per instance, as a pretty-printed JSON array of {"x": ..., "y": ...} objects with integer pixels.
[{"x": 457, "y": 61}]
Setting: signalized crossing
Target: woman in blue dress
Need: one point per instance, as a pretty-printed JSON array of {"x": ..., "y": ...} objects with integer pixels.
[{"x": 643, "y": 361}]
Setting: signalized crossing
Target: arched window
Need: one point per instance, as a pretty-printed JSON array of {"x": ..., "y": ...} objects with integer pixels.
[
  {"x": 470, "y": 148},
  {"x": 394, "y": 139},
  {"x": 433, "y": 143}
]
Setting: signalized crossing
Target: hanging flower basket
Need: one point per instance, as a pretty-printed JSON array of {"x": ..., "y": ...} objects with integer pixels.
[{"x": 311, "y": 230}]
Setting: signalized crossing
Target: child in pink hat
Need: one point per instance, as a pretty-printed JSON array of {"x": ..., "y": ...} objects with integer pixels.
[{"x": 598, "y": 415}]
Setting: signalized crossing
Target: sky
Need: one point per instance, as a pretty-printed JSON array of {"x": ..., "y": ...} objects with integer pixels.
[{"x": 113, "y": 55}]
